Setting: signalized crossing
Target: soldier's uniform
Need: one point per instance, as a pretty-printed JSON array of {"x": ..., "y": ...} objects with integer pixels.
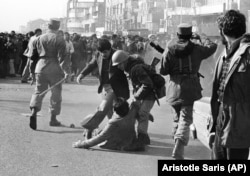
[
  {"x": 50, "y": 49},
  {"x": 182, "y": 61}
]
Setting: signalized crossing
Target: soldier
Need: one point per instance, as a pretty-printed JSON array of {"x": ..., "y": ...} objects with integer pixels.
[
  {"x": 48, "y": 49},
  {"x": 144, "y": 88},
  {"x": 182, "y": 61}
]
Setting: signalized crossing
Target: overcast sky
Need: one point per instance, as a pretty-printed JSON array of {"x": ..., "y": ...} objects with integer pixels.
[{"x": 14, "y": 13}]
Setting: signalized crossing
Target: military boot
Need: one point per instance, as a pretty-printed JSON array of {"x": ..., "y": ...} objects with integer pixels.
[
  {"x": 178, "y": 152},
  {"x": 53, "y": 121},
  {"x": 33, "y": 119}
]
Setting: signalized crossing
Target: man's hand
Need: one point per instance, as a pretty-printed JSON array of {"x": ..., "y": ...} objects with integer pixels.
[
  {"x": 66, "y": 76},
  {"x": 196, "y": 36},
  {"x": 80, "y": 144},
  {"x": 211, "y": 139},
  {"x": 79, "y": 78},
  {"x": 33, "y": 78}
]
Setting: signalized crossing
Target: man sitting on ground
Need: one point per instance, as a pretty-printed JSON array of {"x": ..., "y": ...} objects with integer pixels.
[{"x": 119, "y": 133}]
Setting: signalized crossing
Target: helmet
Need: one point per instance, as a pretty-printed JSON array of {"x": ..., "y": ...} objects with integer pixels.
[{"x": 119, "y": 56}]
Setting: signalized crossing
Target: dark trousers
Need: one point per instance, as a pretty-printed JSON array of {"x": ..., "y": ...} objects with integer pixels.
[
  {"x": 4, "y": 67},
  {"x": 23, "y": 64},
  {"x": 220, "y": 152}
]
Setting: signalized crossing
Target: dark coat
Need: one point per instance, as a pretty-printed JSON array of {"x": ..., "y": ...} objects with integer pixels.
[
  {"x": 117, "y": 78},
  {"x": 78, "y": 57},
  {"x": 182, "y": 62},
  {"x": 236, "y": 127},
  {"x": 141, "y": 80}
]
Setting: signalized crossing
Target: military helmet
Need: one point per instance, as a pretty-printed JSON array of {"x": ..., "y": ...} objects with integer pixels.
[{"x": 119, "y": 56}]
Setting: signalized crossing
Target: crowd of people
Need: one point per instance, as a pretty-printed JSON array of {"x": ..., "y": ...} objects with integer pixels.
[
  {"x": 56, "y": 56},
  {"x": 15, "y": 52}
]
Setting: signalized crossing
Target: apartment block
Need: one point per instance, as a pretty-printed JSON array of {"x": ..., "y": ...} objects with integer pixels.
[
  {"x": 150, "y": 14},
  {"x": 84, "y": 17},
  {"x": 202, "y": 14}
]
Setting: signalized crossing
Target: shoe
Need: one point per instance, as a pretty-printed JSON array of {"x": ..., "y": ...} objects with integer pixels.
[
  {"x": 33, "y": 122},
  {"x": 88, "y": 134},
  {"x": 144, "y": 138},
  {"x": 55, "y": 123}
]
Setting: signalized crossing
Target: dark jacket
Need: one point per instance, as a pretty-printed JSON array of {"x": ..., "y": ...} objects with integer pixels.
[
  {"x": 141, "y": 81},
  {"x": 236, "y": 126},
  {"x": 118, "y": 133},
  {"x": 117, "y": 78},
  {"x": 182, "y": 62},
  {"x": 79, "y": 53}
]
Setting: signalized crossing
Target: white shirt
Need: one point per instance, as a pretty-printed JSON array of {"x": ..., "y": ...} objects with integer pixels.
[{"x": 29, "y": 50}]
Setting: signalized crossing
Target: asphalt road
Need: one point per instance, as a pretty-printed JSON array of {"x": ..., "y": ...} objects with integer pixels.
[{"x": 48, "y": 151}]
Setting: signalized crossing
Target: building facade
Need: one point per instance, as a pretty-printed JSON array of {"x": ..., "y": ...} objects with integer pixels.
[
  {"x": 202, "y": 14},
  {"x": 134, "y": 15},
  {"x": 114, "y": 16},
  {"x": 150, "y": 14},
  {"x": 83, "y": 17}
]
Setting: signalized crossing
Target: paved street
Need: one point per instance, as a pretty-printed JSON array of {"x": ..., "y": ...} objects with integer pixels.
[{"x": 48, "y": 151}]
